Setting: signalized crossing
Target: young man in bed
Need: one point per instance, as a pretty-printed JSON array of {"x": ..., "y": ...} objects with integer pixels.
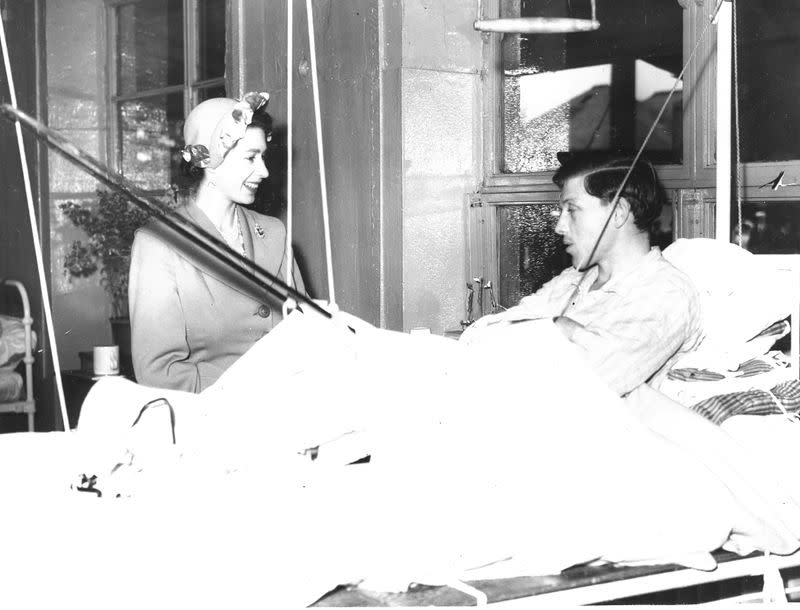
[{"x": 631, "y": 311}]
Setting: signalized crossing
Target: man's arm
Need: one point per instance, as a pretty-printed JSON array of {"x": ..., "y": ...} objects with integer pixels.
[
  {"x": 631, "y": 341},
  {"x": 568, "y": 326}
]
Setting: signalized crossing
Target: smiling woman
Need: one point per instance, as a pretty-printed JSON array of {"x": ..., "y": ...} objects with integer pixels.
[{"x": 189, "y": 322}]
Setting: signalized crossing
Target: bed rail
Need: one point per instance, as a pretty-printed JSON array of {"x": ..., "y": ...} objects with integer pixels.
[
  {"x": 594, "y": 584},
  {"x": 28, "y": 405}
]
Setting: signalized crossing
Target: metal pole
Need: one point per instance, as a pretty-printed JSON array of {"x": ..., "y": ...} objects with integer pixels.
[{"x": 723, "y": 211}]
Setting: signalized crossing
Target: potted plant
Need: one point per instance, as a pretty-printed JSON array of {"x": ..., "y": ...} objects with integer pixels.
[{"x": 110, "y": 226}]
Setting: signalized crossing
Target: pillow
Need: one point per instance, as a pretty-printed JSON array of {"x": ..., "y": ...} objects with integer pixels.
[
  {"x": 12, "y": 342},
  {"x": 740, "y": 294},
  {"x": 10, "y": 386}
]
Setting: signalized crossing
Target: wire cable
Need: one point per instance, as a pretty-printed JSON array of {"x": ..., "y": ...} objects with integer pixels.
[
  {"x": 318, "y": 125},
  {"x": 615, "y": 200},
  {"x": 289, "y": 143},
  {"x": 736, "y": 129}
]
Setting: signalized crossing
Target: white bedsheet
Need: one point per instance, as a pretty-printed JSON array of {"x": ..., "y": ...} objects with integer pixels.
[{"x": 509, "y": 448}]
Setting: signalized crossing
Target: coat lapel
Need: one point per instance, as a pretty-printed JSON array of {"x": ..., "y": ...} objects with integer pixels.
[
  {"x": 206, "y": 263},
  {"x": 267, "y": 242},
  {"x": 264, "y": 241}
]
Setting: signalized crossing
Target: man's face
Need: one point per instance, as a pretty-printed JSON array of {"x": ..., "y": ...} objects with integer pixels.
[
  {"x": 580, "y": 222},
  {"x": 243, "y": 169}
]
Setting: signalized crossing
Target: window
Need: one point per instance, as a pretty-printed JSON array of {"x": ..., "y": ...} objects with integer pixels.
[
  {"x": 771, "y": 227},
  {"x": 768, "y": 86},
  {"x": 769, "y": 83},
  {"x": 529, "y": 253},
  {"x": 601, "y": 91},
  {"x": 165, "y": 56},
  {"x": 596, "y": 90}
]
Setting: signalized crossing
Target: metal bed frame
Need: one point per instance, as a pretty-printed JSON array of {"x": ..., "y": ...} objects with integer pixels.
[
  {"x": 28, "y": 404},
  {"x": 751, "y": 578}
]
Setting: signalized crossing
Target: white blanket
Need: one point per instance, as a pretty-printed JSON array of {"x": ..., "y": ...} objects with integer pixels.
[{"x": 510, "y": 451}]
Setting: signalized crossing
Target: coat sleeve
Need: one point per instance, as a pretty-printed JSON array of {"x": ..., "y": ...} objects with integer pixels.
[{"x": 158, "y": 325}]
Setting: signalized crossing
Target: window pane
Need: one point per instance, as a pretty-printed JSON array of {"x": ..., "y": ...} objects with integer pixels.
[
  {"x": 206, "y": 93},
  {"x": 211, "y": 35},
  {"x": 769, "y": 227},
  {"x": 596, "y": 90},
  {"x": 529, "y": 252},
  {"x": 769, "y": 79},
  {"x": 150, "y": 135},
  {"x": 150, "y": 45}
]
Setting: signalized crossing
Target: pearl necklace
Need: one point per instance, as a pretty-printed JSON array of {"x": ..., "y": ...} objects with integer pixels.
[
  {"x": 238, "y": 240},
  {"x": 239, "y": 230}
]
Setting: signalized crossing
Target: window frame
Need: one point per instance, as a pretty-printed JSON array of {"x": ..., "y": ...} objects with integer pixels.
[
  {"x": 190, "y": 87},
  {"x": 494, "y": 181}
]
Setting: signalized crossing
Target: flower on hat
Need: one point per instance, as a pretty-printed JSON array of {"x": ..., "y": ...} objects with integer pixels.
[
  {"x": 235, "y": 124},
  {"x": 197, "y": 155}
]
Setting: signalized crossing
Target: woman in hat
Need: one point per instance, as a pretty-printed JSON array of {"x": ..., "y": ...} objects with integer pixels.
[{"x": 189, "y": 321}]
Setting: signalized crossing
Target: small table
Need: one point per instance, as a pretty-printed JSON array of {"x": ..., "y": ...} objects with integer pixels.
[{"x": 77, "y": 384}]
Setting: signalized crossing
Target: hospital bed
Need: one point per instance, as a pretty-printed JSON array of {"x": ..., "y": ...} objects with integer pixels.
[
  {"x": 159, "y": 531},
  {"x": 17, "y": 341},
  {"x": 174, "y": 533}
]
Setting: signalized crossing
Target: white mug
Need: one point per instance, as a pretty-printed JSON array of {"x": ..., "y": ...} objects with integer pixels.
[{"x": 106, "y": 360}]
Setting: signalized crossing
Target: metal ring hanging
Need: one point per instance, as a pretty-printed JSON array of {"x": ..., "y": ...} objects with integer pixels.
[{"x": 538, "y": 25}]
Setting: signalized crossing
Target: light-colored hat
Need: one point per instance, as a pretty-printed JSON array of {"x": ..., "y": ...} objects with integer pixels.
[{"x": 215, "y": 126}]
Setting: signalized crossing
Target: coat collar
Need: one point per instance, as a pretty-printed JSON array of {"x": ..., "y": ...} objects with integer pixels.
[{"x": 200, "y": 218}]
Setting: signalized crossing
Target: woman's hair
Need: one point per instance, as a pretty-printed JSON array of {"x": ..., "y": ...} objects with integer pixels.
[{"x": 602, "y": 177}]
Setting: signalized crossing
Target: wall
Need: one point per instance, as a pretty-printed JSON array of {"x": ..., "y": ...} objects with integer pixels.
[
  {"x": 76, "y": 110},
  {"x": 441, "y": 62},
  {"x": 349, "y": 38},
  {"x": 399, "y": 88}
]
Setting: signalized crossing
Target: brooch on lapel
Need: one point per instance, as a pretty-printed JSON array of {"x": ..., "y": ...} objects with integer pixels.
[{"x": 259, "y": 230}]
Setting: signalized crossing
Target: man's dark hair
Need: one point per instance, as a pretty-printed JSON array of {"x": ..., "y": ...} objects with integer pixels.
[{"x": 604, "y": 174}]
